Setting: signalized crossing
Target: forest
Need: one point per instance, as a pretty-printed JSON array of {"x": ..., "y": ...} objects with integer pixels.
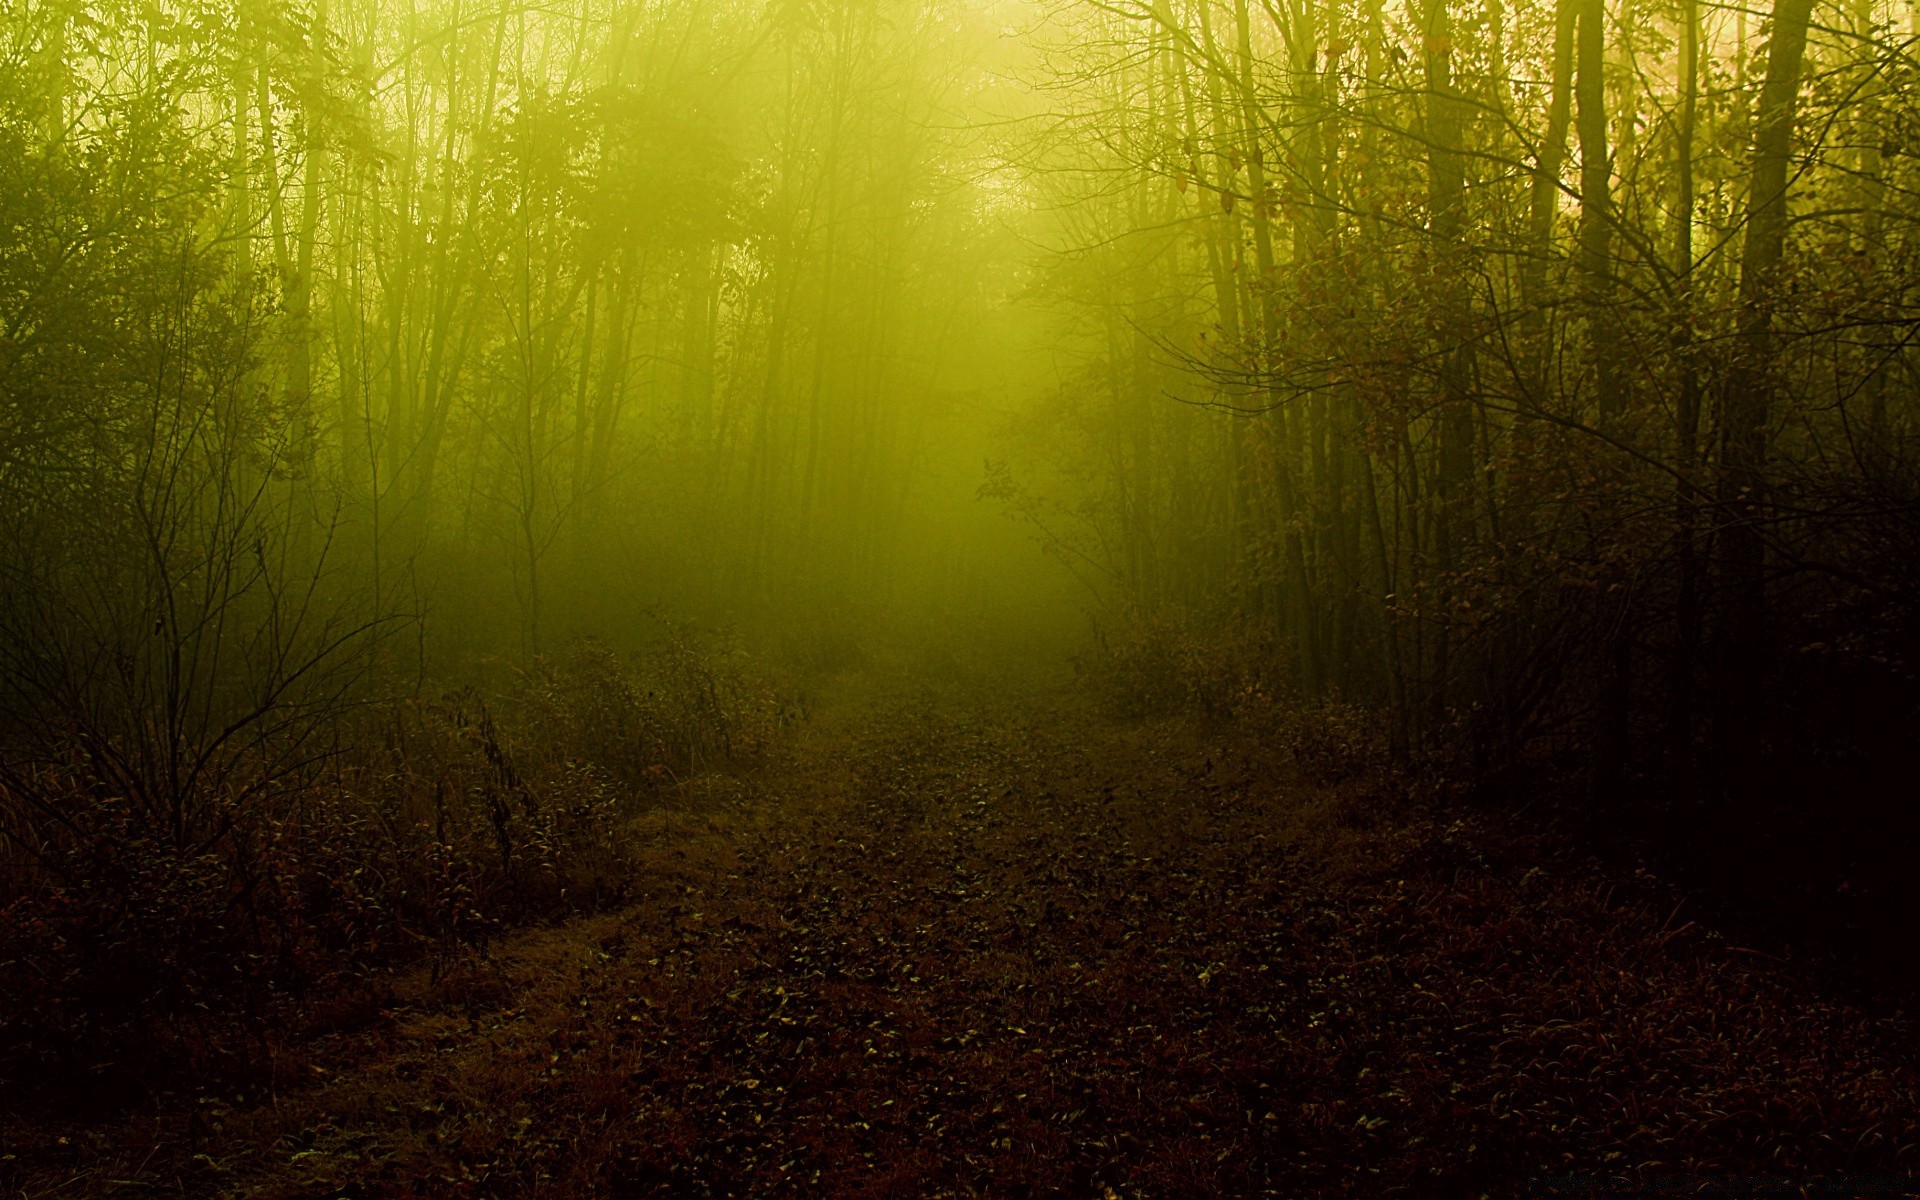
[{"x": 1102, "y": 598}]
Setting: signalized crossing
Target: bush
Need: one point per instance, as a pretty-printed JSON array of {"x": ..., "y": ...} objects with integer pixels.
[
  {"x": 1156, "y": 665},
  {"x": 691, "y": 705},
  {"x": 431, "y": 826},
  {"x": 1149, "y": 663}
]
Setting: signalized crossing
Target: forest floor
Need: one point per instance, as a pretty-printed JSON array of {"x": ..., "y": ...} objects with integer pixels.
[{"x": 989, "y": 943}]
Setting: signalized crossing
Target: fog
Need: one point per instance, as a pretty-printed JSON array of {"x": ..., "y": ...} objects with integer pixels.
[{"x": 436, "y": 435}]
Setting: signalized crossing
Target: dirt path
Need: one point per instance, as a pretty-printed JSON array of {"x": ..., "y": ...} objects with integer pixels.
[{"x": 979, "y": 948}]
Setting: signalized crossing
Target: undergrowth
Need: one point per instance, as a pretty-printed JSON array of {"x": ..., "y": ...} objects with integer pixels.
[
  {"x": 1146, "y": 664},
  {"x": 130, "y": 959}
]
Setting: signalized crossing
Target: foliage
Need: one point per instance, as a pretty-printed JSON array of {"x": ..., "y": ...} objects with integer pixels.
[
  {"x": 694, "y": 703},
  {"x": 428, "y": 828},
  {"x": 1148, "y": 664}
]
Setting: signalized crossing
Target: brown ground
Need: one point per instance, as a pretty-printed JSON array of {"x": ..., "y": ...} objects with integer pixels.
[{"x": 1006, "y": 948}]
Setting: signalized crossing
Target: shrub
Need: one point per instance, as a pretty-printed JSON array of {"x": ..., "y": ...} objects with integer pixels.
[
  {"x": 429, "y": 828},
  {"x": 1154, "y": 662}
]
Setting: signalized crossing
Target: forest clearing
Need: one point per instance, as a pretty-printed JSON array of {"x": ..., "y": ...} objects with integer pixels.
[{"x": 956, "y": 944}]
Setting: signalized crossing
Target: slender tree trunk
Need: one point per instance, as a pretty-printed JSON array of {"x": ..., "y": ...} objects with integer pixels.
[
  {"x": 1747, "y": 406},
  {"x": 1596, "y": 205},
  {"x": 1603, "y": 347},
  {"x": 1544, "y": 199},
  {"x": 1686, "y": 408},
  {"x": 1299, "y": 619},
  {"x": 1452, "y": 494}
]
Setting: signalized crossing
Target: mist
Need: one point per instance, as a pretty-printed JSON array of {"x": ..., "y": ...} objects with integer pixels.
[{"x": 920, "y": 539}]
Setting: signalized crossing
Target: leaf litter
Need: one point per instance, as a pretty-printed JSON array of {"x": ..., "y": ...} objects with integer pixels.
[{"x": 1006, "y": 949}]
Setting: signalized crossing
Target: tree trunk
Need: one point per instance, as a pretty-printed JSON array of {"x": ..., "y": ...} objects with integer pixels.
[
  {"x": 1746, "y": 408},
  {"x": 1686, "y": 409},
  {"x": 1452, "y": 485}
]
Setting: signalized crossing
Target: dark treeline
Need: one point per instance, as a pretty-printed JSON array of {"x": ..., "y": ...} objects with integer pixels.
[{"x": 1559, "y": 359}]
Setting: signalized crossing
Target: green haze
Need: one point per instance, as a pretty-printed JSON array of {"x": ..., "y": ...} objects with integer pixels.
[{"x": 1535, "y": 375}]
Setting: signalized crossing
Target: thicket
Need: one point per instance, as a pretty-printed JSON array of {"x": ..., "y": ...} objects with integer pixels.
[
  {"x": 1541, "y": 376},
  {"x": 418, "y": 830}
]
